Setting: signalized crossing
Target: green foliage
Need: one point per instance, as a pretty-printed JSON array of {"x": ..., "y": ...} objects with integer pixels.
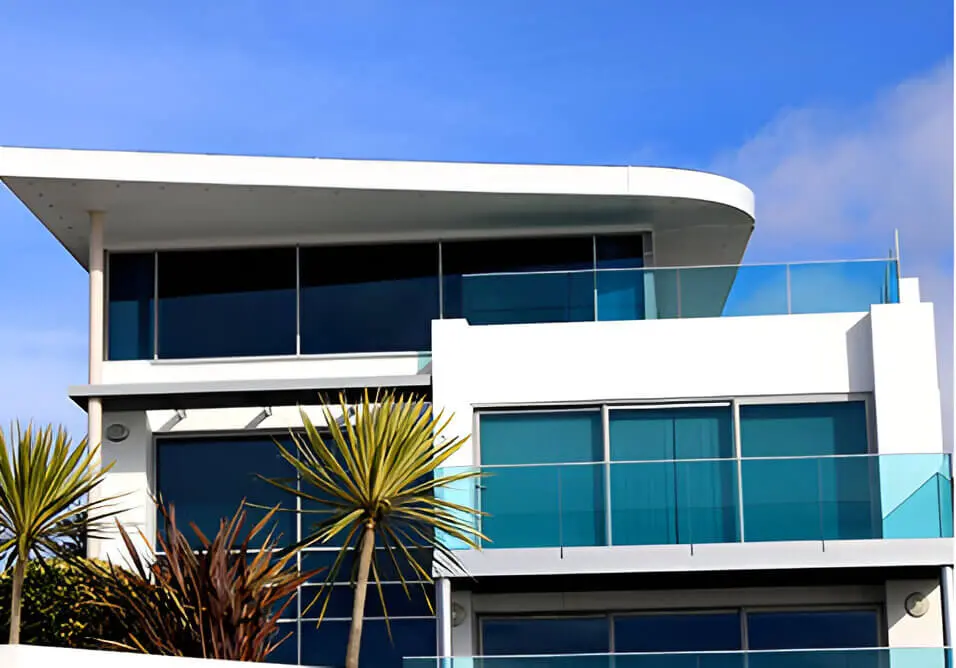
[
  {"x": 59, "y": 608},
  {"x": 222, "y": 601},
  {"x": 375, "y": 481},
  {"x": 45, "y": 501}
]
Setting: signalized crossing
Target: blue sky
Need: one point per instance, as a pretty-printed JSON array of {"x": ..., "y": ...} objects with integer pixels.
[{"x": 838, "y": 116}]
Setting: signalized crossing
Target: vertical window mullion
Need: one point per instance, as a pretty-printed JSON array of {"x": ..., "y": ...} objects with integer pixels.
[
  {"x": 298, "y": 301},
  {"x": 155, "y": 305}
]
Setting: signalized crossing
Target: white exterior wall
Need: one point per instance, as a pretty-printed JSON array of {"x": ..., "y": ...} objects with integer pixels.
[
  {"x": 904, "y": 630},
  {"x": 274, "y": 368}
]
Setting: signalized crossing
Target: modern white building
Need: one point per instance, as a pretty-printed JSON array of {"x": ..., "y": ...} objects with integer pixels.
[{"x": 690, "y": 463}]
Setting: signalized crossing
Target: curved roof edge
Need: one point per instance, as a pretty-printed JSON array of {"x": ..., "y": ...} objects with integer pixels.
[{"x": 238, "y": 170}]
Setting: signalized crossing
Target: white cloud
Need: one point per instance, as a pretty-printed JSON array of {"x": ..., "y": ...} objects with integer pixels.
[{"x": 834, "y": 183}]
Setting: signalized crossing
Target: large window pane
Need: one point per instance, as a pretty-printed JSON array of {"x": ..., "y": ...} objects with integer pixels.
[
  {"x": 703, "y": 632},
  {"x": 487, "y": 282},
  {"x": 556, "y": 635},
  {"x": 206, "y": 478},
  {"x": 325, "y": 645},
  {"x": 131, "y": 308},
  {"x": 358, "y": 299},
  {"x": 803, "y": 430},
  {"x": 660, "y": 500},
  {"x": 340, "y": 598},
  {"x": 227, "y": 303},
  {"x": 812, "y": 629},
  {"x": 562, "y": 505}
]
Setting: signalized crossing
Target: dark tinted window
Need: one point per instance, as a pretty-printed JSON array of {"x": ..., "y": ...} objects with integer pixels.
[
  {"x": 325, "y": 645},
  {"x": 358, "y": 299},
  {"x": 561, "y": 295},
  {"x": 557, "y": 635},
  {"x": 130, "y": 316},
  {"x": 227, "y": 303},
  {"x": 205, "y": 479},
  {"x": 677, "y": 633},
  {"x": 812, "y": 629}
]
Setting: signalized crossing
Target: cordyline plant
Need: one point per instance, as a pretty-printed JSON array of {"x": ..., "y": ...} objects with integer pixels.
[
  {"x": 221, "y": 601},
  {"x": 375, "y": 479},
  {"x": 45, "y": 504}
]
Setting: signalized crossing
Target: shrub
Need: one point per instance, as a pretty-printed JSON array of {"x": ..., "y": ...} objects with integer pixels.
[{"x": 59, "y": 608}]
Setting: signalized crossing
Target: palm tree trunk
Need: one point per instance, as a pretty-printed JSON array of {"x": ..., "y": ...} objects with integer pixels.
[
  {"x": 358, "y": 603},
  {"x": 16, "y": 594}
]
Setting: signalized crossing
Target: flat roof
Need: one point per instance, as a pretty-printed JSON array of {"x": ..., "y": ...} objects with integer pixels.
[{"x": 169, "y": 200}]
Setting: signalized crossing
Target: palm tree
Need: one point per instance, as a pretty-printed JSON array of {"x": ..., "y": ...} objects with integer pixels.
[
  {"x": 45, "y": 485},
  {"x": 376, "y": 483}
]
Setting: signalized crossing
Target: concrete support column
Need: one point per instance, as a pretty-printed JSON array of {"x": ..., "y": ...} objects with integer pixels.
[
  {"x": 443, "y": 600},
  {"x": 94, "y": 409}
]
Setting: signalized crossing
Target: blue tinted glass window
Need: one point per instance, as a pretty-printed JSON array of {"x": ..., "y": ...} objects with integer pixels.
[
  {"x": 557, "y": 635},
  {"x": 703, "y": 632},
  {"x": 801, "y": 430},
  {"x": 369, "y": 298},
  {"x": 288, "y": 650},
  {"x": 205, "y": 479},
  {"x": 620, "y": 294},
  {"x": 493, "y": 281},
  {"x": 338, "y": 600},
  {"x": 325, "y": 645},
  {"x": 659, "y": 501},
  {"x": 561, "y": 505},
  {"x": 812, "y": 629},
  {"x": 131, "y": 308},
  {"x": 227, "y": 303}
]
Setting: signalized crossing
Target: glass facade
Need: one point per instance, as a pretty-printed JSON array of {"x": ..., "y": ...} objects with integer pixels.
[
  {"x": 673, "y": 475},
  {"x": 205, "y": 478},
  {"x": 231, "y": 303},
  {"x": 367, "y": 298}
]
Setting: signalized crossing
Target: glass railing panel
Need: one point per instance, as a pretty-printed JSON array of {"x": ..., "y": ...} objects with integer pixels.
[
  {"x": 505, "y": 299},
  {"x": 629, "y": 294},
  {"x": 781, "y": 499},
  {"x": 840, "y": 287},
  {"x": 583, "y": 520},
  {"x": 882, "y": 657},
  {"x": 522, "y": 505},
  {"x": 850, "y": 498},
  {"x": 672, "y": 502},
  {"x": 745, "y": 290},
  {"x": 917, "y": 491}
]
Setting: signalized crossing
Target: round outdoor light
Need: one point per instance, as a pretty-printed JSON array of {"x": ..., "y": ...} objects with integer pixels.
[
  {"x": 916, "y": 605},
  {"x": 457, "y": 614},
  {"x": 117, "y": 432}
]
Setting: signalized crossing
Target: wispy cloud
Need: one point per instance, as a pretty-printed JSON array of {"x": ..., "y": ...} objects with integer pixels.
[{"x": 833, "y": 183}]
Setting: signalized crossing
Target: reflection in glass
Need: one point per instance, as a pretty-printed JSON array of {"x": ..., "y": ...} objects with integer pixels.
[
  {"x": 368, "y": 298},
  {"x": 131, "y": 307},
  {"x": 227, "y": 303}
]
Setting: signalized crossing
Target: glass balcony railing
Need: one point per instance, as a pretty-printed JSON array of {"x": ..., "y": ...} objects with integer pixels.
[
  {"x": 853, "y": 497},
  {"x": 686, "y": 292},
  {"x": 882, "y": 657}
]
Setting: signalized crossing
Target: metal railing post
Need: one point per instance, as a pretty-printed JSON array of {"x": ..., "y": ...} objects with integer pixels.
[
  {"x": 789, "y": 291},
  {"x": 677, "y": 275}
]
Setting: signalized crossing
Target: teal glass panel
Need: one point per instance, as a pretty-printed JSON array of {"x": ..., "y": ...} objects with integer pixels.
[
  {"x": 734, "y": 291},
  {"x": 560, "y": 505},
  {"x": 803, "y": 430},
  {"x": 838, "y": 287},
  {"x": 781, "y": 499},
  {"x": 671, "y": 433},
  {"x": 850, "y": 498},
  {"x": 662, "y": 503},
  {"x": 918, "y": 492},
  {"x": 620, "y": 295},
  {"x": 541, "y": 437},
  {"x": 505, "y": 299},
  {"x": 667, "y": 501}
]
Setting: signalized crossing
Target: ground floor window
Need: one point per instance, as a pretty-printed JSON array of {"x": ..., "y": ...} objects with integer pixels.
[{"x": 701, "y": 631}]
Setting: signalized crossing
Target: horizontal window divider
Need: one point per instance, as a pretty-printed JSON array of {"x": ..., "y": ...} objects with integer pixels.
[
  {"x": 701, "y": 459},
  {"x": 319, "y": 585},
  {"x": 391, "y": 618}
]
